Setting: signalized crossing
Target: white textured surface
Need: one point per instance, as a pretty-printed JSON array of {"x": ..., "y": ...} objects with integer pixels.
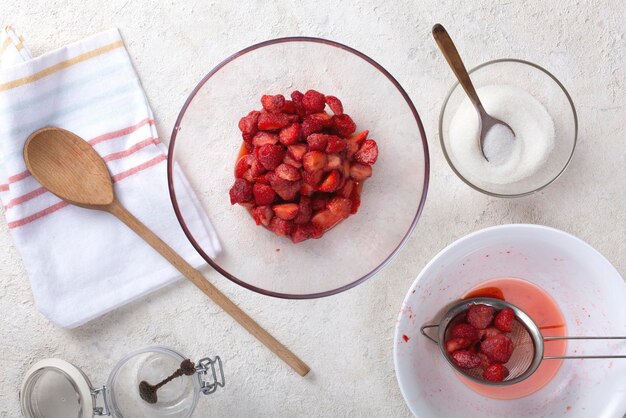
[{"x": 346, "y": 338}]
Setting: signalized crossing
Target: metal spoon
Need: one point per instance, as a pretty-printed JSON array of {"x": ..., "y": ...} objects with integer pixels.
[
  {"x": 486, "y": 121},
  {"x": 70, "y": 168},
  {"x": 148, "y": 392}
]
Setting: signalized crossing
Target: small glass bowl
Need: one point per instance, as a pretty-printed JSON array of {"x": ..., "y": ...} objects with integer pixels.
[
  {"x": 544, "y": 87},
  {"x": 205, "y": 145}
]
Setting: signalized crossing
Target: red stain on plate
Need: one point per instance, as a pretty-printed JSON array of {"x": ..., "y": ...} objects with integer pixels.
[{"x": 406, "y": 338}]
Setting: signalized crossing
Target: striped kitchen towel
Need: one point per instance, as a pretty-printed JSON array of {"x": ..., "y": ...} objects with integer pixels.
[{"x": 83, "y": 263}]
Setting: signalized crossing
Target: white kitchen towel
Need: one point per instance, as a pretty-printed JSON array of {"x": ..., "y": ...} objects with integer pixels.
[{"x": 83, "y": 263}]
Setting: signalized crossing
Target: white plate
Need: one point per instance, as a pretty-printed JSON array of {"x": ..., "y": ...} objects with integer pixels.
[{"x": 588, "y": 289}]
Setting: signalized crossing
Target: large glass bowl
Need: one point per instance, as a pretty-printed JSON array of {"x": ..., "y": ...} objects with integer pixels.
[
  {"x": 205, "y": 144},
  {"x": 545, "y": 88}
]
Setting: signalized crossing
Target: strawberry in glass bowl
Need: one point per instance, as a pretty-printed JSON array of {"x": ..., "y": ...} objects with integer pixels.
[{"x": 301, "y": 169}]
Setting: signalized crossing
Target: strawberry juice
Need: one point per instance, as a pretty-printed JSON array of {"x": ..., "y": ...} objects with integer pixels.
[{"x": 540, "y": 306}]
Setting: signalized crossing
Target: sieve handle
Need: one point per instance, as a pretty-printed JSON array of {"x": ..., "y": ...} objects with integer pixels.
[
  {"x": 424, "y": 327},
  {"x": 545, "y": 339}
]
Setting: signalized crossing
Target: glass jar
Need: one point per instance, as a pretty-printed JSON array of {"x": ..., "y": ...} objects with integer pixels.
[{"x": 54, "y": 388}]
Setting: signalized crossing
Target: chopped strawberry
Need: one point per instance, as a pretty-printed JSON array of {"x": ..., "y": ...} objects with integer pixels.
[
  {"x": 262, "y": 215},
  {"x": 345, "y": 168},
  {"x": 356, "y": 200},
  {"x": 289, "y": 107},
  {"x": 304, "y": 211},
  {"x": 488, "y": 332},
  {"x": 454, "y": 344},
  {"x": 263, "y": 138},
  {"x": 296, "y": 98},
  {"x": 313, "y": 101},
  {"x": 340, "y": 206},
  {"x": 351, "y": 149},
  {"x": 293, "y": 118},
  {"x": 360, "y": 172},
  {"x": 504, "y": 320},
  {"x": 368, "y": 153},
  {"x": 343, "y": 125},
  {"x": 317, "y": 142},
  {"x": 484, "y": 360},
  {"x": 310, "y": 126},
  {"x": 256, "y": 169},
  {"x": 319, "y": 202},
  {"x": 359, "y": 137},
  {"x": 462, "y": 330},
  {"x": 306, "y": 189},
  {"x": 287, "y": 190},
  {"x": 297, "y": 151},
  {"x": 335, "y": 144},
  {"x": 289, "y": 160},
  {"x": 495, "y": 373},
  {"x": 273, "y": 121},
  {"x": 304, "y": 232},
  {"x": 314, "y": 161},
  {"x": 243, "y": 165},
  {"x": 465, "y": 359},
  {"x": 240, "y": 192},
  {"x": 313, "y": 178},
  {"x": 480, "y": 316},
  {"x": 271, "y": 156},
  {"x": 248, "y": 124},
  {"x": 333, "y": 162},
  {"x": 347, "y": 188},
  {"x": 498, "y": 348},
  {"x": 290, "y": 134},
  {"x": 262, "y": 179},
  {"x": 325, "y": 219},
  {"x": 247, "y": 140},
  {"x": 288, "y": 172},
  {"x": 334, "y": 104},
  {"x": 273, "y": 104},
  {"x": 281, "y": 226},
  {"x": 324, "y": 118},
  {"x": 263, "y": 194},
  {"x": 286, "y": 211},
  {"x": 331, "y": 183}
]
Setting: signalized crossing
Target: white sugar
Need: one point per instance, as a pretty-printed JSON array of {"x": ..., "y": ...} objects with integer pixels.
[{"x": 510, "y": 159}]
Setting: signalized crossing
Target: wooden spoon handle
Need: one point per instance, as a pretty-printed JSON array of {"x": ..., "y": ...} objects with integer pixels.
[
  {"x": 454, "y": 60},
  {"x": 211, "y": 291}
]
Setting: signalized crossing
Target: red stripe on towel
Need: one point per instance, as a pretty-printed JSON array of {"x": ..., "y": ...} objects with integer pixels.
[
  {"x": 141, "y": 167},
  {"x": 102, "y": 138},
  {"x": 111, "y": 157},
  {"x": 60, "y": 205}
]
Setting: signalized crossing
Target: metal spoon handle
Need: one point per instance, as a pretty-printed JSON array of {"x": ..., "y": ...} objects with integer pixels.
[
  {"x": 454, "y": 60},
  {"x": 548, "y": 339}
]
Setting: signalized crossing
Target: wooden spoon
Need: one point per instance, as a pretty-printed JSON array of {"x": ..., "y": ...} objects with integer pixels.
[{"x": 70, "y": 168}]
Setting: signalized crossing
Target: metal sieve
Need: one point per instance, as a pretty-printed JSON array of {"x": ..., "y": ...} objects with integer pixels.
[{"x": 528, "y": 342}]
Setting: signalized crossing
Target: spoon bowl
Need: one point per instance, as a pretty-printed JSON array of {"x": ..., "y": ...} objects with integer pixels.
[{"x": 69, "y": 168}]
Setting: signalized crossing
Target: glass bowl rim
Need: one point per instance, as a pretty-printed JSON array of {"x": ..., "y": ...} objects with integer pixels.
[
  {"x": 170, "y": 167},
  {"x": 569, "y": 99}
]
